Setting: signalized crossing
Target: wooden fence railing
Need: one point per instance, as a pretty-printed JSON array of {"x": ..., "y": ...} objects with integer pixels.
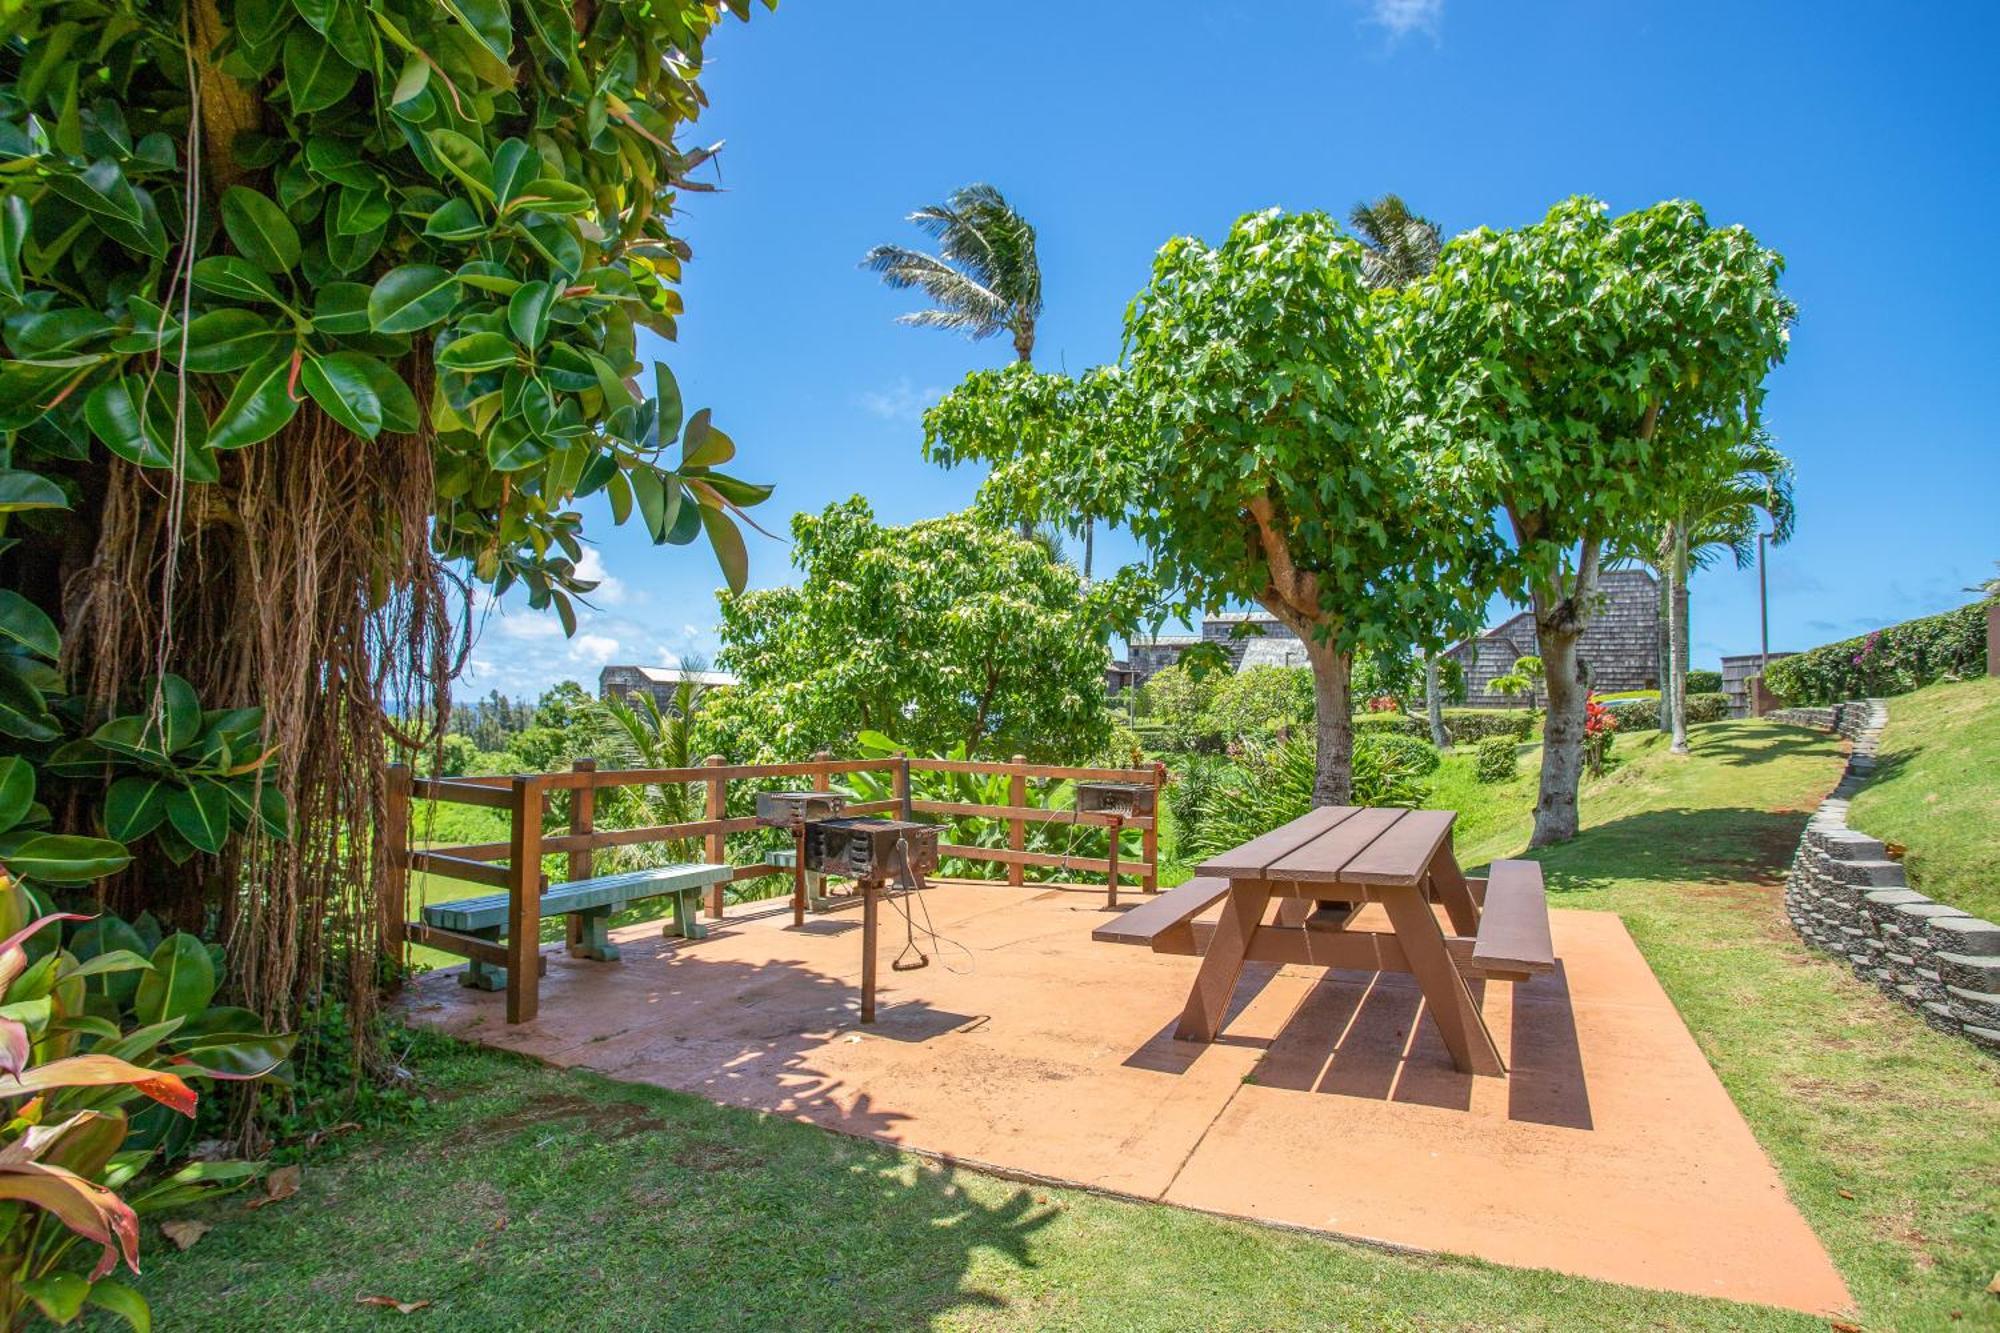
[{"x": 514, "y": 865}]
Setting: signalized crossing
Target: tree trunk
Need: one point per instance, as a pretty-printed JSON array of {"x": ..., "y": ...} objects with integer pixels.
[
  {"x": 1333, "y": 705},
  {"x": 1089, "y": 546},
  {"x": 1676, "y": 692},
  {"x": 1434, "y": 701},
  {"x": 1663, "y": 671},
  {"x": 1559, "y": 624}
]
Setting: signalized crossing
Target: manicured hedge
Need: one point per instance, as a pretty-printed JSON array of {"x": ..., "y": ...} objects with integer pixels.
[
  {"x": 1390, "y": 724},
  {"x": 1644, "y": 714},
  {"x": 1704, "y": 682},
  {"x": 1496, "y": 759},
  {"x": 1403, "y": 753},
  {"x": 1465, "y": 725},
  {"x": 1895, "y": 660}
]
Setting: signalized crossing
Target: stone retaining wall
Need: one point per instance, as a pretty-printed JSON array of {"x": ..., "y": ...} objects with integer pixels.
[{"x": 1846, "y": 896}]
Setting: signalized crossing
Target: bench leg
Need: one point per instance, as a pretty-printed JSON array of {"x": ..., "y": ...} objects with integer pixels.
[
  {"x": 484, "y": 976},
  {"x": 686, "y": 919},
  {"x": 593, "y": 938}
]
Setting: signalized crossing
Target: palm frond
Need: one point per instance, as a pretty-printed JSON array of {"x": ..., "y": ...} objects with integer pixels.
[{"x": 985, "y": 277}]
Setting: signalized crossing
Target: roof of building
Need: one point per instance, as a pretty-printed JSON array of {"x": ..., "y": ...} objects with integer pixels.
[
  {"x": 676, "y": 675},
  {"x": 1272, "y": 652},
  {"x": 1164, "y": 640}
]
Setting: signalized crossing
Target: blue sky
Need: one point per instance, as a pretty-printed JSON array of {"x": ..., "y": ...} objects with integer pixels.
[{"x": 1856, "y": 140}]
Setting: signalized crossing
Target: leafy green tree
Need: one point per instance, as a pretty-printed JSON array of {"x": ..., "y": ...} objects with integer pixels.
[
  {"x": 1178, "y": 699},
  {"x": 1248, "y": 448},
  {"x": 1260, "y": 703},
  {"x": 313, "y": 312},
  {"x": 951, "y": 631},
  {"x": 1573, "y": 359}
]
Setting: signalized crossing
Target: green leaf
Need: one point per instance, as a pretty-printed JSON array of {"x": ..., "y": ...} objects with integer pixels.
[
  {"x": 106, "y": 964},
  {"x": 456, "y": 220},
  {"x": 514, "y": 165},
  {"x": 13, "y": 232},
  {"x": 181, "y": 983},
  {"x": 259, "y": 407},
  {"x": 17, "y": 790},
  {"x": 27, "y": 626},
  {"x": 357, "y": 212},
  {"x": 727, "y": 540},
  {"x": 226, "y": 339},
  {"x": 200, "y": 814},
  {"x": 344, "y": 391},
  {"x": 116, "y": 1298},
  {"x": 548, "y": 194},
  {"x": 341, "y": 308},
  {"x": 488, "y": 276},
  {"x": 528, "y": 313},
  {"x": 741, "y": 493},
  {"x": 258, "y": 228},
  {"x": 29, "y": 490},
  {"x": 178, "y": 710},
  {"x": 410, "y": 298},
  {"x": 715, "y": 447},
  {"x": 652, "y": 497},
  {"x": 64, "y": 858},
  {"x": 114, "y": 412},
  {"x": 316, "y": 76},
  {"x": 135, "y": 806},
  {"x": 477, "y": 352},
  {"x": 238, "y": 1055},
  {"x": 465, "y": 159},
  {"x": 227, "y": 275},
  {"x": 416, "y": 76},
  {"x": 59, "y": 1296},
  {"x": 399, "y": 403},
  {"x": 668, "y": 401},
  {"x": 692, "y": 437}
]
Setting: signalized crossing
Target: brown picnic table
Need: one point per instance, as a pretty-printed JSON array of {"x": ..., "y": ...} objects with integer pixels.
[{"x": 1289, "y": 895}]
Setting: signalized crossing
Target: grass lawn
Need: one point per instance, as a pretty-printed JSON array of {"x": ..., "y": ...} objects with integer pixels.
[
  {"x": 528, "y": 1197},
  {"x": 1937, "y": 791}
]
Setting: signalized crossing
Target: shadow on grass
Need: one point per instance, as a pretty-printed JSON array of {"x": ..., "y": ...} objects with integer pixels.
[
  {"x": 540, "y": 1198},
  {"x": 1723, "y": 845},
  {"x": 1739, "y": 751}
]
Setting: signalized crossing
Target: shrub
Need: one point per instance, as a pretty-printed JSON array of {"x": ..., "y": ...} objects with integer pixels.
[
  {"x": 1704, "y": 682},
  {"x": 1599, "y": 730},
  {"x": 1274, "y": 786},
  {"x": 1176, "y": 700},
  {"x": 1496, "y": 759},
  {"x": 1259, "y": 702},
  {"x": 1707, "y": 707},
  {"x": 1389, "y": 724},
  {"x": 1476, "y": 724},
  {"x": 1407, "y": 754},
  {"x": 1895, "y": 660}
]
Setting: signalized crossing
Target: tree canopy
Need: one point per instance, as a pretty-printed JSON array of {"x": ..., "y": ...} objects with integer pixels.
[
  {"x": 1251, "y": 444},
  {"x": 949, "y": 631},
  {"x": 1582, "y": 364}
]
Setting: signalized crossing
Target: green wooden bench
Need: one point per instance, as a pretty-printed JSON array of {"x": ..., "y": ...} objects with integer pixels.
[
  {"x": 591, "y": 901},
  {"x": 784, "y": 858}
]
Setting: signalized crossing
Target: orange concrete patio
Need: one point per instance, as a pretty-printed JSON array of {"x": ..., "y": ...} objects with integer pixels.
[{"x": 1611, "y": 1151}]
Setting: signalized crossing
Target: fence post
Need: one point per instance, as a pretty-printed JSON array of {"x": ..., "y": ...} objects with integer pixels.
[
  {"x": 822, "y": 781},
  {"x": 582, "y": 819},
  {"x": 395, "y": 905},
  {"x": 1117, "y": 830},
  {"x": 1149, "y": 841},
  {"x": 1017, "y": 828},
  {"x": 524, "y": 901},
  {"x": 718, "y": 842},
  {"x": 904, "y": 810}
]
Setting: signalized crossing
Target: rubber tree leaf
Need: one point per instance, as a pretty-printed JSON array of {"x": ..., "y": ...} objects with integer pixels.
[
  {"x": 181, "y": 983},
  {"x": 21, "y": 490},
  {"x": 200, "y": 814},
  {"x": 135, "y": 806},
  {"x": 25, "y": 625},
  {"x": 66, "y": 858},
  {"x": 259, "y": 229},
  {"x": 344, "y": 392},
  {"x": 17, "y": 790},
  {"x": 727, "y": 540},
  {"x": 259, "y": 407},
  {"x": 410, "y": 298}
]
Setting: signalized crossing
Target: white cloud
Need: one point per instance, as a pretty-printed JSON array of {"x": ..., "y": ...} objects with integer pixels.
[
  {"x": 596, "y": 649},
  {"x": 524, "y": 624},
  {"x": 610, "y": 591},
  {"x": 901, "y": 401},
  {"x": 1400, "y": 18}
]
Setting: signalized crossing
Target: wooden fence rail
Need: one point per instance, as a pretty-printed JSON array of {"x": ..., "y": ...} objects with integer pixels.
[{"x": 515, "y": 864}]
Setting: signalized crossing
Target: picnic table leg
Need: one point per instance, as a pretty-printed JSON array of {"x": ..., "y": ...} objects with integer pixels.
[
  {"x": 1222, "y": 964},
  {"x": 870, "y": 902},
  {"x": 1448, "y": 883},
  {"x": 1445, "y": 996}
]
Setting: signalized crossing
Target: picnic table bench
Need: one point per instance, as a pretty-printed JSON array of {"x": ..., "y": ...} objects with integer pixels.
[
  {"x": 591, "y": 901},
  {"x": 1343, "y": 858}
]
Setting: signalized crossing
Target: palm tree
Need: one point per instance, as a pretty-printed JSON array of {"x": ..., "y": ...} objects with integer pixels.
[
  {"x": 1398, "y": 248},
  {"x": 985, "y": 278},
  {"x": 644, "y": 734},
  {"x": 1722, "y": 512}
]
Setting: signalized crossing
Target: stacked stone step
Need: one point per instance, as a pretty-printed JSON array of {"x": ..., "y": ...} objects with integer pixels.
[{"x": 1847, "y": 896}]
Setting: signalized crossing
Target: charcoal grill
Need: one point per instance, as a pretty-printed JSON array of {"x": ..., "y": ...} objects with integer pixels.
[
  {"x": 1115, "y": 798},
  {"x": 793, "y": 810},
  {"x": 871, "y": 852}
]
